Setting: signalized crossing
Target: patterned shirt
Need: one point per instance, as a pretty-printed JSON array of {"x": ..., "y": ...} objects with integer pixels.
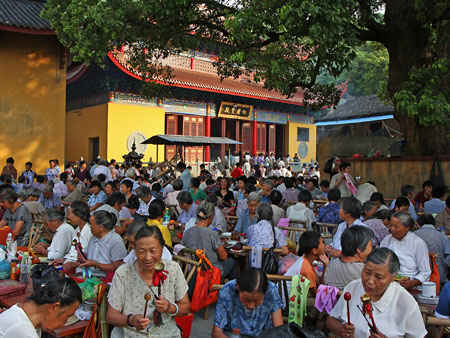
[
  {"x": 261, "y": 234},
  {"x": 230, "y": 313},
  {"x": 53, "y": 202},
  {"x": 379, "y": 229},
  {"x": 51, "y": 173},
  {"x": 101, "y": 197},
  {"x": 329, "y": 214},
  {"x": 290, "y": 195}
]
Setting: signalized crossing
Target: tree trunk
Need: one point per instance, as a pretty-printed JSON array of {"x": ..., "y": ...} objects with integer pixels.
[{"x": 406, "y": 43}]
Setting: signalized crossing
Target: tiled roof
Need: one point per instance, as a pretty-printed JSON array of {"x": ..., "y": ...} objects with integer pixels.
[
  {"x": 358, "y": 106},
  {"x": 23, "y": 14},
  {"x": 209, "y": 82},
  {"x": 188, "y": 140}
]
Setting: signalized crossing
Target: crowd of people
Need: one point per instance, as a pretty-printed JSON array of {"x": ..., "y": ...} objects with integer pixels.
[{"x": 374, "y": 244}]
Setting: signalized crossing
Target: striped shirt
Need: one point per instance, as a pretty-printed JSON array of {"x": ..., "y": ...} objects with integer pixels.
[{"x": 340, "y": 274}]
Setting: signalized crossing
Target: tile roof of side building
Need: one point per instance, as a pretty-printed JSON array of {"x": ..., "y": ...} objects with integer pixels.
[
  {"x": 23, "y": 14},
  {"x": 358, "y": 106}
]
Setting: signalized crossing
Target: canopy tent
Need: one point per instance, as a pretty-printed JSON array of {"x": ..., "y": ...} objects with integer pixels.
[{"x": 188, "y": 141}]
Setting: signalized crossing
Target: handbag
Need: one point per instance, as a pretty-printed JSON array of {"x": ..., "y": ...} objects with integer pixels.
[
  {"x": 204, "y": 295},
  {"x": 270, "y": 265},
  {"x": 43, "y": 273}
]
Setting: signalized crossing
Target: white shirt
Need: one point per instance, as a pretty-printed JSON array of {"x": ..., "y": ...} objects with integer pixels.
[
  {"x": 216, "y": 173},
  {"x": 167, "y": 189},
  {"x": 364, "y": 192},
  {"x": 283, "y": 171},
  {"x": 62, "y": 240},
  {"x": 301, "y": 212},
  {"x": 101, "y": 169},
  {"x": 85, "y": 235},
  {"x": 396, "y": 313},
  {"x": 143, "y": 207},
  {"x": 14, "y": 323},
  {"x": 281, "y": 188},
  {"x": 340, "y": 230},
  {"x": 412, "y": 252}
]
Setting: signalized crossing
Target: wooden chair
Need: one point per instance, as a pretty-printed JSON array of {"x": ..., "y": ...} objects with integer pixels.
[
  {"x": 173, "y": 209},
  {"x": 85, "y": 198},
  {"x": 231, "y": 221},
  {"x": 187, "y": 265},
  {"x": 324, "y": 229},
  {"x": 435, "y": 326},
  {"x": 293, "y": 234}
]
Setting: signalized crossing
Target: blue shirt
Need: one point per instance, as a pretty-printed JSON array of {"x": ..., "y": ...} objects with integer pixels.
[
  {"x": 186, "y": 216},
  {"x": 230, "y": 313},
  {"x": 443, "y": 307},
  {"x": 434, "y": 206},
  {"x": 101, "y": 197},
  {"x": 186, "y": 178},
  {"x": 244, "y": 221},
  {"x": 329, "y": 213},
  {"x": 52, "y": 202},
  {"x": 51, "y": 174},
  {"x": 29, "y": 176}
]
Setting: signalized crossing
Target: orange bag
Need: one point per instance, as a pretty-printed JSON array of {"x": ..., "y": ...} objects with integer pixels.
[
  {"x": 94, "y": 328},
  {"x": 435, "y": 277},
  {"x": 203, "y": 295}
]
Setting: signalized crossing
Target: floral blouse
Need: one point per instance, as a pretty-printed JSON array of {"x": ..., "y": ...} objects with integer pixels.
[{"x": 127, "y": 296}]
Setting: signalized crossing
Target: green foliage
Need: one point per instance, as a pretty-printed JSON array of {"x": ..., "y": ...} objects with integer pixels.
[{"x": 426, "y": 96}]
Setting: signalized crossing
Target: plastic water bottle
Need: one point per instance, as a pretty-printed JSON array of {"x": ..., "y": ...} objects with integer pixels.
[
  {"x": 236, "y": 333},
  {"x": 166, "y": 218},
  {"x": 8, "y": 243}
]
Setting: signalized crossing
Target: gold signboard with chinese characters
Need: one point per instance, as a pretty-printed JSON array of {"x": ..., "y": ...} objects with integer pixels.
[{"x": 235, "y": 111}]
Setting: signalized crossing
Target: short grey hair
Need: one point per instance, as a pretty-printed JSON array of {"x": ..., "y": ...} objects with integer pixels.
[
  {"x": 73, "y": 183},
  {"x": 47, "y": 188},
  {"x": 130, "y": 173},
  {"x": 185, "y": 197},
  {"x": 405, "y": 219},
  {"x": 102, "y": 161},
  {"x": 264, "y": 212},
  {"x": 23, "y": 194},
  {"x": 34, "y": 192},
  {"x": 368, "y": 205},
  {"x": 269, "y": 183},
  {"x": 253, "y": 196},
  {"x": 143, "y": 191},
  {"x": 8, "y": 195},
  {"x": 53, "y": 214},
  {"x": 134, "y": 227},
  {"x": 177, "y": 184},
  {"x": 354, "y": 238},
  {"x": 385, "y": 256},
  {"x": 205, "y": 210}
]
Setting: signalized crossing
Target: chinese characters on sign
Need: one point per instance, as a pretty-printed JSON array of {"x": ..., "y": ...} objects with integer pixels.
[{"x": 235, "y": 111}]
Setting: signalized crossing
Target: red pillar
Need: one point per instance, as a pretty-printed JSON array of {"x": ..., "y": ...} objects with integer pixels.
[
  {"x": 255, "y": 131},
  {"x": 207, "y": 133}
]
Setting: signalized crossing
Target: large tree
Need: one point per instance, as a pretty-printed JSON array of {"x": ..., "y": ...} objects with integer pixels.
[{"x": 284, "y": 44}]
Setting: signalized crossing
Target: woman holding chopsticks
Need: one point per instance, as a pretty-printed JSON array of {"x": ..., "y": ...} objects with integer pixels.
[
  {"x": 388, "y": 309},
  {"x": 146, "y": 289}
]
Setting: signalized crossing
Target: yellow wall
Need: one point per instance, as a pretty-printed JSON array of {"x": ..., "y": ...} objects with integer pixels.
[
  {"x": 82, "y": 124},
  {"x": 293, "y": 143},
  {"x": 32, "y": 100},
  {"x": 124, "y": 119}
]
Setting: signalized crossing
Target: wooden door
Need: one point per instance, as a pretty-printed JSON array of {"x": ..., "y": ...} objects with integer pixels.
[
  {"x": 246, "y": 137},
  {"x": 171, "y": 129},
  {"x": 261, "y": 138},
  {"x": 271, "y": 139},
  {"x": 194, "y": 126}
]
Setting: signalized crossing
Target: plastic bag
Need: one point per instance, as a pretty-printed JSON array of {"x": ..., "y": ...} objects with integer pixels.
[
  {"x": 286, "y": 262},
  {"x": 43, "y": 273},
  {"x": 292, "y": 330},
  {"x": 89, "y": 288}
]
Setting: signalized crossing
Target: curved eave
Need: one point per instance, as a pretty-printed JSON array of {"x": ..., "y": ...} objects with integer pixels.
[
  {"x": 199, "y": 87},
  {"x": 27, "y": 30}
]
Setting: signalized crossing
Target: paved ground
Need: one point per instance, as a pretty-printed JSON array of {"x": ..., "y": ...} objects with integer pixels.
[{"x": 202, "y": 328}]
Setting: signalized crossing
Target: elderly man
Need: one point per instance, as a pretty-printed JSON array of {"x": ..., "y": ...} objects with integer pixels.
[
  {"x": 74, "y": 193},
  {"x": 49, "y": 199},
  {"x": 264, "y": 193},
  {"x": 102, "y": 168}
]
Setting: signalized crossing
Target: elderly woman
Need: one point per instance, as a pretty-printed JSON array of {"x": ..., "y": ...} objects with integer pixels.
[
  {"x": 48, "y": 198},
  {"x": 250, "y": 303},
  {"x": 225, "y": 193},
  {"x": 62, "y": 240},
  {"x": 134, "y": 280},
  {"x": 189, "y": 209},
  {"x": 98, "y": 196},
  {"x": 395, "y": 312},
  {"x": 105, "y": 251},
  {"x": 356, "y": 246},
  {"x": 16, "y": 216},
  {"x": 264, "y": 193},
  {"x": 130, "y": 235},
  {"x": 46, "y": 309},
  {"x": 263, "y": 232},
  {"x": 171, "y": 198},
  {"x": 411, "y": 250},
  {"x": 202, "y": 237},
  {"x": 219, "y": 222},
  {"x": 248, "y": 216}
]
